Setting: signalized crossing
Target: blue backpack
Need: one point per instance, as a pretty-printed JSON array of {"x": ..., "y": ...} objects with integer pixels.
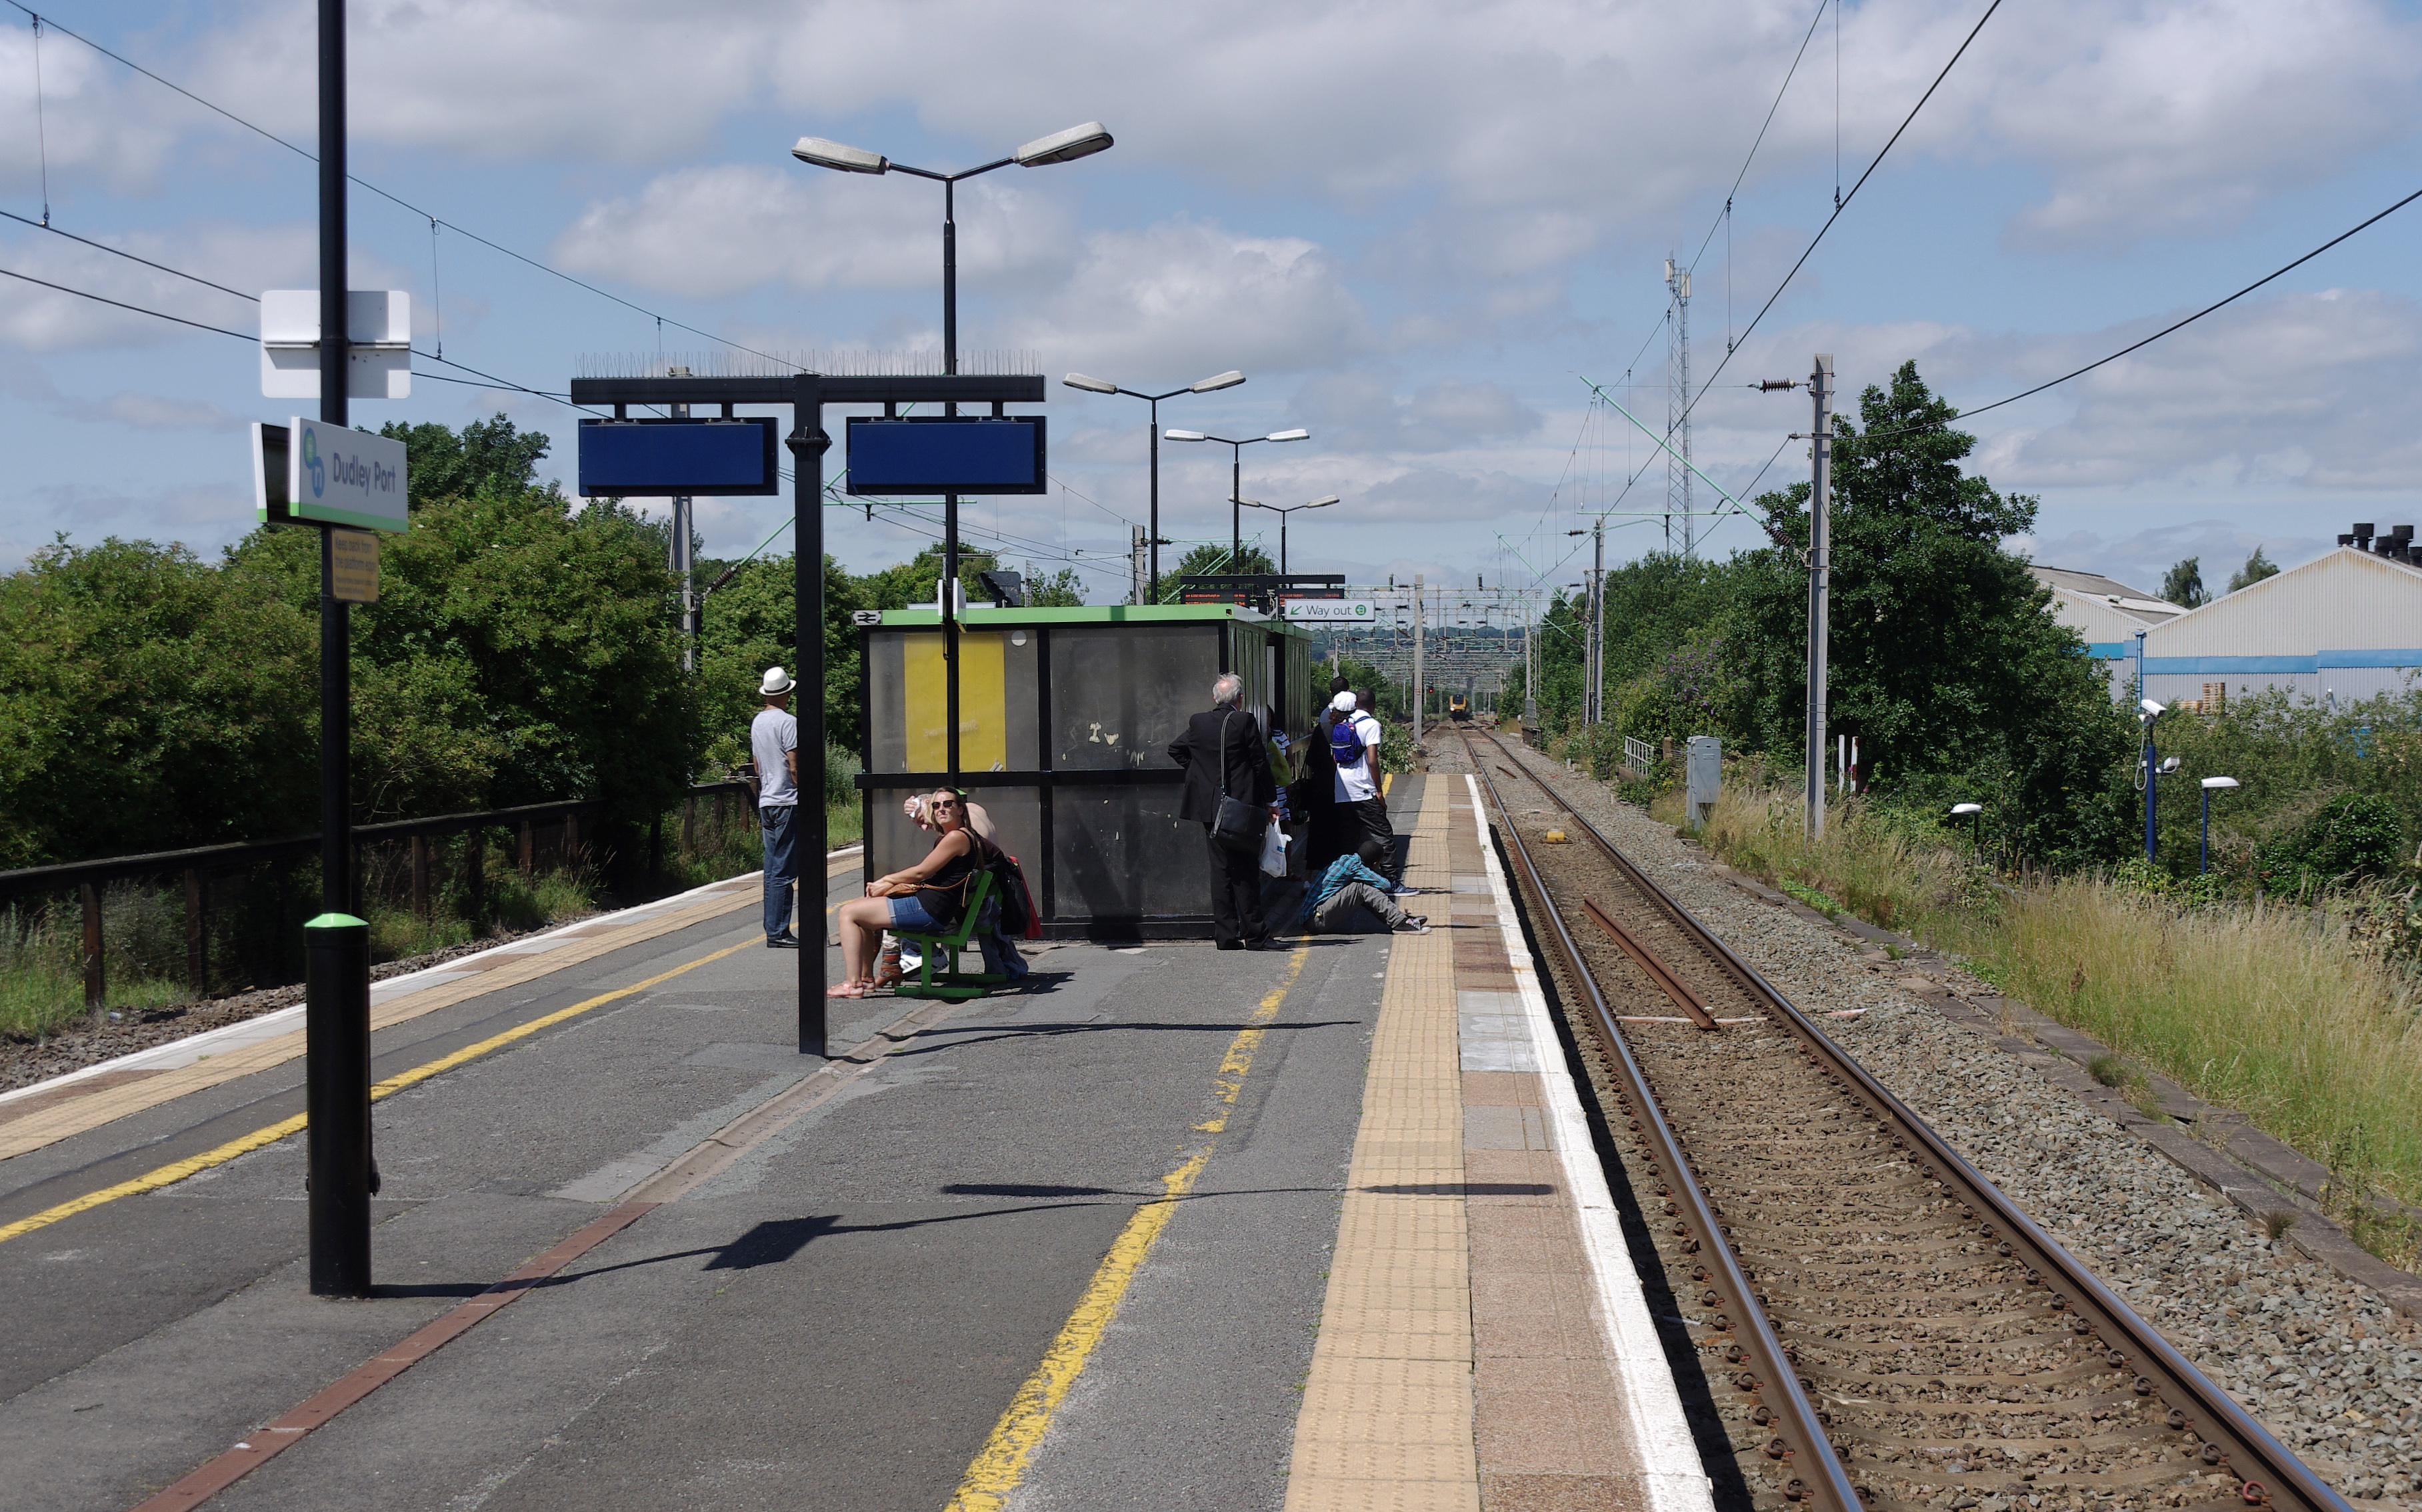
[{"x": 1345, "y": 741}]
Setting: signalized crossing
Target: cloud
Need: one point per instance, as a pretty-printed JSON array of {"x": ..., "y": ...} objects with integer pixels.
[
  {"x": 1183, "y": 295},
  {"x": 726, "y": 230},
  {"x": 1358, "y": 411}
]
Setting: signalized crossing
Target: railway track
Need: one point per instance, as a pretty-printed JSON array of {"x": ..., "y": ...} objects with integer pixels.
[{"x": 1877, "y": 1325}]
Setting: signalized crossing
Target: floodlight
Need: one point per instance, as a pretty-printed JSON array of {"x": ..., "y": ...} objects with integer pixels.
[
  {"x": 1064, "y": 147},
  {"x": 2152, "y": 710},
  {"x": 2220, "y": 781},
  {"x": 1959, "y": 808},
  {"x": 1090, "y": 385},
  {"x": 1184, "y": 435},
  {"x": 1288, "y": 435},
  {"x": 1226, "y": 380},
  {"x": 824, "y": 155},
  {"x": 1252, "y": 503}
]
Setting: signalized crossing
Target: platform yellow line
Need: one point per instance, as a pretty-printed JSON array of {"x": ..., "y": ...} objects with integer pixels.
[
  {"x": 1001, "y": 1464},
  {"x": 169, "y": 1175}
]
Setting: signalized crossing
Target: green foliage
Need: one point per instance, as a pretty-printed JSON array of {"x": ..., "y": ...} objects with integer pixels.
[
  {"x": 1947, "y": 661},
  {"x": 2182, "y": 585},
  {"x": 1692, "y": 691},
  {"x": 916, "y": 582},
  {"x": 1062, "y": 590},
  {"x": 1211, "y": 559},
  {"x": 2257, "y": 568},
  {"x": 2352, "y": 837},
  {"x": 149, "y": 701},
  {"x": 486, "y": 456},
  {"x": 748, "y": 626}
]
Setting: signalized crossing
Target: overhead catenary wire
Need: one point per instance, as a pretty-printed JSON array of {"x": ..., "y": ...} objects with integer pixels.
[
  {"x": 121, "y": 252},
  {"x": 387, "y": 195},
  {"x": 104, "y": 299},
  {"x": 1843, "y": 204}
]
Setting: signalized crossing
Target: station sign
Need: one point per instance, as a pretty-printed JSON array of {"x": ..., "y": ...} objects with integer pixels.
[
  {"x": 1326, "y": 611},
  {"x": 309, "y": 472},
  {"x": 378, "y": 339},
  {"x": 946, "y": 454},
  {"x": 659, "y": 459}
]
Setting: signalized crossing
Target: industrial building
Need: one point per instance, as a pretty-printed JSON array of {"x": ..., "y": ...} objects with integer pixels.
[{"x": 2346, "y": 625}]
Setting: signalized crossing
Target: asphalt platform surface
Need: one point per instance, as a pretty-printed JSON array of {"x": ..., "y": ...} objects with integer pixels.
[{"x": 836, "y": 1321}]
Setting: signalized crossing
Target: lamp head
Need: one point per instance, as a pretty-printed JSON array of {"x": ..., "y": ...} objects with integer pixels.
[
  {"x": 826, "y": 154},
  {"x": 1962, "y": 808},
  {"x": 1320, "y": 503},
  {"x": 1183, "y": 435},
  {"x": 1226, "y": 380},
  {"x": 1288, "y": 435},
  {"x": 2220, "y": 782},
  {"x": 1090, "y": 385},
  {"x": 1064, "y": 147}
]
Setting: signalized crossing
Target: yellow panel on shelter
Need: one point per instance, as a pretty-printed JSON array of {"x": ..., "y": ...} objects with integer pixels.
[{"x": 984, "y": 729}]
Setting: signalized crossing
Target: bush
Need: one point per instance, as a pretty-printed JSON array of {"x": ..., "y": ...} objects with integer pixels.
[{"x": 2349, "y": 839}]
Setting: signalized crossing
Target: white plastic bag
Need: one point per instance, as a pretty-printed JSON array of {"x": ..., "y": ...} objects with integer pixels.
[{"x": 1274, "y": 845}]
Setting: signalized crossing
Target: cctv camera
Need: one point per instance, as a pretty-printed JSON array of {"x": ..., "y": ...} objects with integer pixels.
[{"x": 2152, "y": 710}]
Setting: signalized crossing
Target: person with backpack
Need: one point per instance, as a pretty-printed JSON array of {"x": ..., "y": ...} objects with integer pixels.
[{"x": 1354, "y": 747}]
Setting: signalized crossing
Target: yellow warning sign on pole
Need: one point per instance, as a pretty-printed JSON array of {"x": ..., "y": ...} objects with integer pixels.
[{"x": 355, "y": 555}]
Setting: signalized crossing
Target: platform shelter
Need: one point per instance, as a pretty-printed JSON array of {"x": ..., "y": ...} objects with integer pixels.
[{"x": 1065, "y": 716}]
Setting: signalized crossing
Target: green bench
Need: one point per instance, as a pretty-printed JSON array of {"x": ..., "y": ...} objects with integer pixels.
[{"x": 950, "y": 982}]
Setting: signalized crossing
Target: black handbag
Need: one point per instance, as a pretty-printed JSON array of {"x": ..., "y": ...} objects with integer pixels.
[{"x": 1239, "y": 825}]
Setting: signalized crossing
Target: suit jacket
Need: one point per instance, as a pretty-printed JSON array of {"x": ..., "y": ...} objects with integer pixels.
[{"x": 1243, "y": 754}]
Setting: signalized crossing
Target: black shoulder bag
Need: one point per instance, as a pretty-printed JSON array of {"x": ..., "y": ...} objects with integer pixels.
[{"x": 1239, "y": 825}]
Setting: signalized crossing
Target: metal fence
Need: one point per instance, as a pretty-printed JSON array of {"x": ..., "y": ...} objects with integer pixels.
[{"x": 528, "y": 824}]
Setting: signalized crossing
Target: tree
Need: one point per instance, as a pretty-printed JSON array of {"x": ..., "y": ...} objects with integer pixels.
[
  {"x": 748, "y": 626},
  {"x": 489, "y": 453},
  {"x": 2182, "y": 585},
  {"x": 151, "y": 702},
  {"x": 1211, "y": 559},
  {"x": 1062, "y": 590},
  {"x": 916, "y": 581},
  {"x": 1946, "y": 661},
  {"x": 2257, "y": 568}
]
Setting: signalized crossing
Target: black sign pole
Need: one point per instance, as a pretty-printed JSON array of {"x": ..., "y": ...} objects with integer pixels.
[
  {"x": 950, "y": 501},
  {"x": 336, "y": 1012},
  {"x": 809, "y": 443}
]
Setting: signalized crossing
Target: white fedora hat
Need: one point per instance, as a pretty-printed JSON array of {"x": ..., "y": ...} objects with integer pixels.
[{"x": 774, "y": 683}]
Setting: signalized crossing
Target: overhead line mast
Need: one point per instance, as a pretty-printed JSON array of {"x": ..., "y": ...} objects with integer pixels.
[{"x": 1678, "y": 406}]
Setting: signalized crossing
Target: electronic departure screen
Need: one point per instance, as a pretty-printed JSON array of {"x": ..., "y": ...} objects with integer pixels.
[
  {"x": 946, "y": 454},
  {"x": 660, "y": 458}
]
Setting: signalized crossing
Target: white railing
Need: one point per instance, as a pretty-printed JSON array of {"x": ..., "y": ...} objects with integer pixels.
[{"x": 1639, "y": 753}]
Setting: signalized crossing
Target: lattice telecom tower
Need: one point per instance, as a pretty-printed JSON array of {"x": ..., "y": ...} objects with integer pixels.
[{"x": 1677, "y": 405}]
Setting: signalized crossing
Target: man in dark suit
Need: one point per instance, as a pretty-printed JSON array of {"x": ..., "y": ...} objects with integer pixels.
[{"x": 1227, "y": 741}]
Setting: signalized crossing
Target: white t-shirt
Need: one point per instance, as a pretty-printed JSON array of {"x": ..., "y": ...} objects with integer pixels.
[
  {"x": 1360, "y": 781},
  {"x": 771, "y": 734}
]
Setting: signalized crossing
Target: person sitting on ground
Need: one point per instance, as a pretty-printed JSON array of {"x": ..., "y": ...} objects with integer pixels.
[
  {"x": 1352, "y": 886},
  {"x": 928, "y": 897}
]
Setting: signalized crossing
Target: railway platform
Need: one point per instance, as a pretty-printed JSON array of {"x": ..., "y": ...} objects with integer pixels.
[{"x": 1314, "y": 1228}]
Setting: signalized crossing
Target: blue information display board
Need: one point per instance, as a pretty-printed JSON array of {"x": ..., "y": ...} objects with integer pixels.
[
  {"x": 946, "y": 454},
  {"x": 666, "y": 457}
]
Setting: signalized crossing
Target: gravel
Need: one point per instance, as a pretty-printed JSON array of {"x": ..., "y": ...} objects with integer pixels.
[
  {"x": 2324, "y": 1362},
  {"x": 24, "y": 1063}
]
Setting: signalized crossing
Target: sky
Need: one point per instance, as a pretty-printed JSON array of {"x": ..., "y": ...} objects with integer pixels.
[{"x": 1423, "y": 230}]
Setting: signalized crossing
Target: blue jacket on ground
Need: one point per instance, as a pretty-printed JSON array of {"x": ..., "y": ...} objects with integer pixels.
[{"x": 1347, "y": 868}]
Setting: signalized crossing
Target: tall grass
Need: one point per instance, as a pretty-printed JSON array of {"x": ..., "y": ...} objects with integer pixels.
[{"x": 2277, "y": 1011}]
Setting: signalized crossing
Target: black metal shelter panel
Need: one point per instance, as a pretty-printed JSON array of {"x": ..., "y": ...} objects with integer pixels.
[
  {"x": 1120, "y": 694},
  {"x": 1122, "y": 853}
]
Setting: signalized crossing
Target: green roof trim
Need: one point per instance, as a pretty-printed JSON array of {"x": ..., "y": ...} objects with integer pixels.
[{"x": 977, "y": 616}]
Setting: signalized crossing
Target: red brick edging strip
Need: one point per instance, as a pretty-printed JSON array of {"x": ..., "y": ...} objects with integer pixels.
[{"x": 223, "y": 1471}]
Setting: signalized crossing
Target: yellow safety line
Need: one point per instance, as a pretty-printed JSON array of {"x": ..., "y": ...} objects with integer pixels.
[
  {"x": 1000, "y": 1465},
  {"x": 176, "y": 1171}
]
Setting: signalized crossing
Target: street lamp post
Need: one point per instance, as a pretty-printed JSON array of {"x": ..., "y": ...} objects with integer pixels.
[
  {"x": 1976, "y": 831},
  {"x": 1059, "y": 146},
  {"x": 1098, "y": 385},
  {"x": 2203, "y": 850},
  {"x": 1236, "y": 477},
  {"x": 1282, "y": 513}
]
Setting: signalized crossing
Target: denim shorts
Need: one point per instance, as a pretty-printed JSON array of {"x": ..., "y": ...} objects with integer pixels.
[{"x": 909, "y": 913}]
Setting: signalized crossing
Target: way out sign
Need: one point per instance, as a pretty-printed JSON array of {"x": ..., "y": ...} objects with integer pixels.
[{"x": 309, "y": 472}]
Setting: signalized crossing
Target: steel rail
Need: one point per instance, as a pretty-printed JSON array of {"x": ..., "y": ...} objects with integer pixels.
[
  {"x": 2268, "y": 1472},
  {"x": 1658, "y": 972},
  {"x": 1807, "y": 1450}
]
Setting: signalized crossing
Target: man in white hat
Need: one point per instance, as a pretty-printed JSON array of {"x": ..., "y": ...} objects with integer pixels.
[{"x": 774, "y": 742}]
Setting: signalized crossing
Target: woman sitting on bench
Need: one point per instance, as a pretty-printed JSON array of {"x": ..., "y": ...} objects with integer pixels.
[{"x": 926, "y": 898}]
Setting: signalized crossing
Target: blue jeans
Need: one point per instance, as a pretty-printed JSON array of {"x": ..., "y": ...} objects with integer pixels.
[{"x": 781, "y": 832}]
